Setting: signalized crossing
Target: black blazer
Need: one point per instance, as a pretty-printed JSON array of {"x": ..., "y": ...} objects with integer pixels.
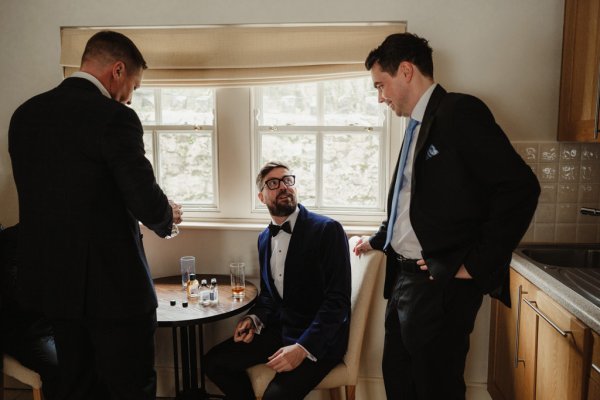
[
  {"x": 83, "y": 183},
  {"x": 315, "y": 309},
  {"x": 472, "y": 195}
]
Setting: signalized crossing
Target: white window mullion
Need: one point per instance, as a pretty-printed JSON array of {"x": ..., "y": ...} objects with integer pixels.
[
  {"x": 155, "y": 157},
  {"x": 158, "y": 105},
  {"x": 319, "y": 170}
]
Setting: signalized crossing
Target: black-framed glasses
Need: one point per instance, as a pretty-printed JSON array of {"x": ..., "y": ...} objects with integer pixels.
[{"x": 273, "y": 183}]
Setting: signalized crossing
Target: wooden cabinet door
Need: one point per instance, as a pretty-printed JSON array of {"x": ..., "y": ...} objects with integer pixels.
[
  {"x": 511, "y": 377},
  {"x": 578, "y": 106},
  {"x": 563, "y": 353},
  {"x": 594, "y": 383},
  {"x": 594, "y": 389},
  {"x": 527, "y": 350}
]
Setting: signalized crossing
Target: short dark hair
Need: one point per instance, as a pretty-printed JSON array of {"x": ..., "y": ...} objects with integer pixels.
[
  {"x": 113, "y": 46},
  {"x": 264, "y": 171},
  {"x": 400, "y": 47}
]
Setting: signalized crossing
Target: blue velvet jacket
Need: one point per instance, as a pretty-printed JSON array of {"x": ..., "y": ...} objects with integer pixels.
[{"x": 315, "y": 308}]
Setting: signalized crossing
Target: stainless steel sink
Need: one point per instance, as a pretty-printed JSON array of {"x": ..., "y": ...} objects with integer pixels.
[
  {"x": 575, "y": 265},
  {"x": 572, "y": 256}
]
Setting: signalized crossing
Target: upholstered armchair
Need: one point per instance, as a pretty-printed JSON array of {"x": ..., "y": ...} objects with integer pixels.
[{"x": 365, "y": 270}]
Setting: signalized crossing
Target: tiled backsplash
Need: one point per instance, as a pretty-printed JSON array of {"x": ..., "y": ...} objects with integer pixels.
[{"x": 569, "y": 175}]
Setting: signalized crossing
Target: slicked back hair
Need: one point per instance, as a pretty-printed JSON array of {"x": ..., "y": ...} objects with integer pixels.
[{"x": 400, "y": 47}]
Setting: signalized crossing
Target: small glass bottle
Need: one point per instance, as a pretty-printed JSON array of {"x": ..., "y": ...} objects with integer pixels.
[
  {"x": 193, "y": 286},
  {"x": 214, "y": 291},
  {"x": 204, "y": 293}
]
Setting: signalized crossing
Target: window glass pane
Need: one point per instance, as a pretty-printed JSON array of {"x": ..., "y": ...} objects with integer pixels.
[
  {"x": 289, "y": 105},
  {"x": 149, "y": 147},
  {"x": 143, "y": 102},
  {"x": 298, "y": 151},
  {"x": 351, "y": 170},
  {"x": 186, "y": 166},
  {"x": 187, "y": 106},
  {"x": 351, "y": 102}
]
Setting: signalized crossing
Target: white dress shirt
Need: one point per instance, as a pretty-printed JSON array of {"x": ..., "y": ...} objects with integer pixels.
[
  {"x": 404, "y": 241},
  {"x": 93, "y": 79},
  {"x": 279, "y": 249}
]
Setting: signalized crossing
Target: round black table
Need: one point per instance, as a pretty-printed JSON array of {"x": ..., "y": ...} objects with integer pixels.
[{"x": 188, "y": 322}]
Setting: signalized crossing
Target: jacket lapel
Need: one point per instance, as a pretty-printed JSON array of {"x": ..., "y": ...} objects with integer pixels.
[
  {"x": 265, "y": 269},
  {"x": 436, "y": 98}
]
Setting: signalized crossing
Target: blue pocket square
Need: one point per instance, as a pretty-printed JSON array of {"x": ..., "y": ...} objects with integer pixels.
[{"x": 431, "y": 152}]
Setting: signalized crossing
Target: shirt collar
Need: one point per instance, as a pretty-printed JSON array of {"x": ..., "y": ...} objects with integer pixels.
[
  {"x": 94, "y": 80},
  {"x": 292, "y": 218},
  {"x": 419, "y": 111}
]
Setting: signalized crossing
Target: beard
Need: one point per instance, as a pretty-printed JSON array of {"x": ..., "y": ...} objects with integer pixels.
[{"x": 285, "y": 203}]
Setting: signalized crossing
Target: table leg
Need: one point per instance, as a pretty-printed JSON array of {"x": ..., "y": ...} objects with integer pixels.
[
  {"x": 176, "y": 360},
  {"x": 192, "y": 351}
]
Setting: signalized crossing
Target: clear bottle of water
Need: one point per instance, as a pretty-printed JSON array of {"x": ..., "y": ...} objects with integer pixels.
[
  {"x": 214, "y": 291},
  {"x": 204, "y": 293}
]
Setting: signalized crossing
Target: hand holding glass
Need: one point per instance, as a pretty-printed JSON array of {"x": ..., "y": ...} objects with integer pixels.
[{"x": 238, "y": 280}]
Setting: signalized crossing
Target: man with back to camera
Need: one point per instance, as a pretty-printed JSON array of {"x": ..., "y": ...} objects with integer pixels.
[
  {"x": 299, "y": 325},
  {"x": 459, "y": 204},
  {"x": 83, "y": 183}
]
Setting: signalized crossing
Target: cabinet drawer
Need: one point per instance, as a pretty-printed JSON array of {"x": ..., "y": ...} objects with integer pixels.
[{"x": 563, "y": 342}]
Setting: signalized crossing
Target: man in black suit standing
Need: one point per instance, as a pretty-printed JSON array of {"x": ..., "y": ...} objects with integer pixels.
[
  {"x": 459, "y": 204},
  {"x": 299, "y": 325},
  {"x": 83, "y": 183}
]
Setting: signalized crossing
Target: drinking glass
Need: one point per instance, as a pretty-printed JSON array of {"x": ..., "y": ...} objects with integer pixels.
[
  {"x": 238, "y": 280},
  {"x": 188, "y": 266}
]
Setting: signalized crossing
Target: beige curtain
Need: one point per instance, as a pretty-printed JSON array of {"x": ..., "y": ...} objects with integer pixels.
[{"x": 242, "y": 55}]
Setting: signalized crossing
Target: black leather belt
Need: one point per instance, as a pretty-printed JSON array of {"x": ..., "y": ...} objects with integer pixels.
[{"x": 408, "y": 264}]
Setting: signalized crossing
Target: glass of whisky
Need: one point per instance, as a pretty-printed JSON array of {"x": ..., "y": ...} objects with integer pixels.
[{"x": 238, "y": 279}]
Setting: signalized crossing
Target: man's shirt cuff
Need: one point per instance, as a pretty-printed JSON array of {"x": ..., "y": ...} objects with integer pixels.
[
  {"x": 258, "y": 325},
  {"x": 308, "y": 355}
]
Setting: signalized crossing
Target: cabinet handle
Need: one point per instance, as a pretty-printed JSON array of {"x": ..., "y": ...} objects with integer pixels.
[
  {"x": 541, "y": 314},
  {"x": 518, "y": 328},
  {"x": 597, "y": 106},
  {"x": 596, "y": 368}
]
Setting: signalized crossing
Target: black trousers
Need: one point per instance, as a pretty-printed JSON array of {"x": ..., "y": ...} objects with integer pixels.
[
  {"x": 427, "y": 328},
  {"x": 226, "y": 365},
  {"x": 39, "y": 355},
  {"x": 106, "y": 358}
]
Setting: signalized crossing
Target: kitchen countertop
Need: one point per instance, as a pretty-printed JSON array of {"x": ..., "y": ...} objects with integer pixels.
[{"x": 586, "y": 311}]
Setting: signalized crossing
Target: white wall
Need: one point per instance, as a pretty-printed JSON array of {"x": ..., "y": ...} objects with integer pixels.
[{"x": 505, "y": 51}]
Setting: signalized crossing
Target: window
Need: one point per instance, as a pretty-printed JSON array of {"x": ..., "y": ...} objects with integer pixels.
[
  {"x": 332, "y": 134},
  {"x": 179, "y": 138}
]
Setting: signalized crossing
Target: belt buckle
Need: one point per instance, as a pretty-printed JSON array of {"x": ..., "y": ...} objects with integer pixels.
[
  {"x": 408, "y": 264},
  {"x": 401, "y": 258}
]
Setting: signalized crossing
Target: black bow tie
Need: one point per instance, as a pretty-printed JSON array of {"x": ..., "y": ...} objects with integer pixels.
[{"x": 274, "y": 229}]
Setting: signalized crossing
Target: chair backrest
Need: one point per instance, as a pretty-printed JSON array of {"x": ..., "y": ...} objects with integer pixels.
[
  {"x": 16, "y": 370},
  {"x": 365, "y": 269}
]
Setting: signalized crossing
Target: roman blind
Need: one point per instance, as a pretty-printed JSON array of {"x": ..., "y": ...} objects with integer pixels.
[{"x": 242, "y": 55}]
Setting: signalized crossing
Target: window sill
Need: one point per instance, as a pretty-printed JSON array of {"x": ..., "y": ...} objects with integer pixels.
[{"x": 351, "y": 230}]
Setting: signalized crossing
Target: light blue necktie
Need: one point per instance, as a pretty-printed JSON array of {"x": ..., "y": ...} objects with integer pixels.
[{"x": 410, "y": 129}]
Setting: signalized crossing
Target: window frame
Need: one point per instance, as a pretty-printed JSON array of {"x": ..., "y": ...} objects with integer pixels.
[
  {"x": 156, "y": 130},
  {"x": 236, "y": 163},
  {"x": 353, "y": 214}
]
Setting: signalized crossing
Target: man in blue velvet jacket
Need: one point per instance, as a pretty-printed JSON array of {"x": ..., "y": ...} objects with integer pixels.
[{"x": 299, "y": 324}]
